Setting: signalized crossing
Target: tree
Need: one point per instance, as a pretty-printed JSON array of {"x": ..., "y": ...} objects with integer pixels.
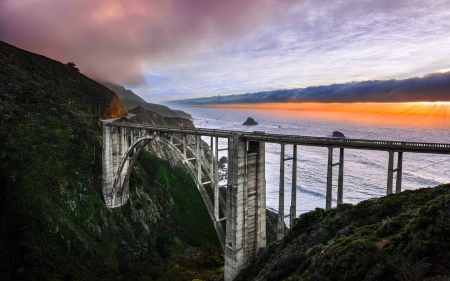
[{"x": 72, "y": 65}]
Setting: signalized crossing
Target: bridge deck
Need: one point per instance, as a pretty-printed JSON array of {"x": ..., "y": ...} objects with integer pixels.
[{"x": 404, "y": 146}]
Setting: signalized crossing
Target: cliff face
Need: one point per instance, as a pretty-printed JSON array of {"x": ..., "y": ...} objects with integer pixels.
[
  {"x": 398, "y": 237},
  {"x": 53, "y": 221}
]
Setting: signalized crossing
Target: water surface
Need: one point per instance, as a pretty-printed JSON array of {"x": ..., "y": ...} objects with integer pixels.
[{"x": 365, "y": 173}]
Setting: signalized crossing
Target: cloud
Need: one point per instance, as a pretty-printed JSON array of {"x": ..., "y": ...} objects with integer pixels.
[
  {"x": 174, "y": 49},
  {"x": 114, "y": 39},
  {"x": 319, "y": 43},
  {"x": 431, "y": 87}
]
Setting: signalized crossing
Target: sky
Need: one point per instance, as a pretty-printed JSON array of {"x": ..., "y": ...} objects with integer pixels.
[{"x": 169, "y": 50}]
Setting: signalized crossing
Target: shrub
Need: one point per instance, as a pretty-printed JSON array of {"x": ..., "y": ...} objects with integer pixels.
[
  {"x": 138, "y": 205},
  {"x": 408, "y": 270}
]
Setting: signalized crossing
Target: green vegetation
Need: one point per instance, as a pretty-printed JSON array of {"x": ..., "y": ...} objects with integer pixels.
[
  {"x": 398, "y": 237},
  {"x": 53, "y": 222},
  {"x": 178, "y": 186}
]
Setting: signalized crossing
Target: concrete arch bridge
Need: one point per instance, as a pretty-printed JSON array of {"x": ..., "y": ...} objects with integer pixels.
[{"x": 243, "y": 212}]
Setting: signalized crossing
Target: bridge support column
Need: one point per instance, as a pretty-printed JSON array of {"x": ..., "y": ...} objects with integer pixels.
[
  {"x": 216, "y": 178},
  {"x": 131, "y": 132},
  {"x": 390, "y": 176},
  {"x": 280, "y": 233},
  {"x": 340, "y": 192},
  {"x": 199, "y": 158},
  {"x": 329, "y": 192},
  {"x": 125, "y": 146},
  {"x": 184, "y": 146},
  {"x": 120, "y": 153},
  {"x": 126, "y": 160},
  {"x": 246, "y": 203},
  {"x": 398, "y": 184},
  {"x": 115, "y": 147},
  {"x": 293, "y": 211}
]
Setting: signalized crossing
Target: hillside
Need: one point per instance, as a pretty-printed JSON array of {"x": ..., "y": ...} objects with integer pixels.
[
  {"x": 53, "y": 222},
  {"x": 402, "y": 237},
  {"x": 130, "y": 101},
  {"x": 142, "y": 115}
]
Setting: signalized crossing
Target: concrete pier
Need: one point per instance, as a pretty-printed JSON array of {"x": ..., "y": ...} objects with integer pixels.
[
  {"x": 280, "y": 227},
  {"x": 340, "y": 193},
  {"x": 293, "y": 209},
  {"x": 329, "y": 190},
  {"x": 246, "y": 203},
  {"x": 216, "y": 178},
  {"x": 390, "y": 175},
  {"x": 398, "y": 184}
]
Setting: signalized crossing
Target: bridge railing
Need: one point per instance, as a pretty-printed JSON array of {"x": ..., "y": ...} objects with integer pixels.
[
  {"x": 345, "y": 142},
  {"x": 302, "y": 140}
]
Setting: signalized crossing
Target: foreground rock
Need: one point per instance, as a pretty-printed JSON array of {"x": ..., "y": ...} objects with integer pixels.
[
  {"x": 250, "y": 121},
  {"x": 337, "y": 134}
]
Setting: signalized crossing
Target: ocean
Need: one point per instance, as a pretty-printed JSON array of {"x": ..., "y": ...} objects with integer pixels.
[{"x": 365, "y": 171}]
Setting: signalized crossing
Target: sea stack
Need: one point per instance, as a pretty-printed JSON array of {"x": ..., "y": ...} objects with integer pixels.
[
  {"x": 250, "y": 121},
  {"x": 337, "y": 134}
]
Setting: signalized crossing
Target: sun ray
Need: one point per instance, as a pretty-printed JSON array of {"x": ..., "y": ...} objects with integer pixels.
[{"x": 417, "y": 114}]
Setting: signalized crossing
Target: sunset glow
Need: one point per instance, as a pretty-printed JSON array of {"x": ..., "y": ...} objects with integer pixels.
[
  {"x": 172, "y": 50},
  {"x": 435, "y": 114}
]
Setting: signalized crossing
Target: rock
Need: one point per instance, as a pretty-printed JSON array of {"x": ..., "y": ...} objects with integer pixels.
[
  {"x": 337, "y": 134},
  {"x": 250, "y": 121}
]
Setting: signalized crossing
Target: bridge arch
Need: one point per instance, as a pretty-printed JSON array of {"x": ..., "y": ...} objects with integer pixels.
[
  {"x": 121, "y": 180},
  {"x": 121, "y": 149}
]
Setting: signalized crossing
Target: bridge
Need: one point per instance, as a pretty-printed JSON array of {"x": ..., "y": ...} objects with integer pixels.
[{"x": 239, "y": 218}]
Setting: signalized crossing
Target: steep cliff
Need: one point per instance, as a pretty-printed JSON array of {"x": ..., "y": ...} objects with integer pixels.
[{"x": 53, "y": 222}]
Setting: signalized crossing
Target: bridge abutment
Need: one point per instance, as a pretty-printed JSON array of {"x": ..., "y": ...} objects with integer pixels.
[{"x": 107, "y": 166}]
